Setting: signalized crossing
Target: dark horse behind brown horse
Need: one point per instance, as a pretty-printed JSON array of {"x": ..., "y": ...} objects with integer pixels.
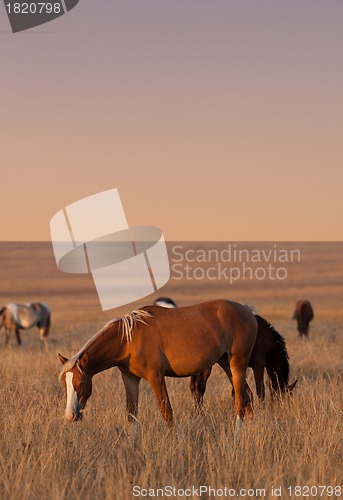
[
  {"x": 303, "y": 314},
  {"x": 154, "y": 342},
  {"x": 269, "y": 353}
]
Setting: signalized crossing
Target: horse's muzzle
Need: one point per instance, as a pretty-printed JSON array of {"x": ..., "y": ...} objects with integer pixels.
[{"x": 74, "y": 416}]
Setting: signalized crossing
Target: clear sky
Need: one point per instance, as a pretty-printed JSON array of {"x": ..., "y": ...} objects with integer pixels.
[{"x": 216, "y": 120}]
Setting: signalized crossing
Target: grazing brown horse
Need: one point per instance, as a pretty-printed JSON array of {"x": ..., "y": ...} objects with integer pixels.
[
  {"x": 303, "y": 314},
  {"x": 23, "y": 317},
  {"x": 269, "y": 352},
  {"x": 154, "y": 342}
]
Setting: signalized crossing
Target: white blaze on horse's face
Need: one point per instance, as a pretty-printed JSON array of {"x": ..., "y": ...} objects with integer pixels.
[
  {"x": 72, "y": 409},
  {"x": 78, "y": 386}
]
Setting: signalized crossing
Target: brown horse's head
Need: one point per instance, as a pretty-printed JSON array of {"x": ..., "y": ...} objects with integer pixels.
[{"x": 77, "y": 384}]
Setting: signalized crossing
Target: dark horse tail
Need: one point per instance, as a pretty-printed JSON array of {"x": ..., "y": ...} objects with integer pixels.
[{"x": 277, "y": 361}]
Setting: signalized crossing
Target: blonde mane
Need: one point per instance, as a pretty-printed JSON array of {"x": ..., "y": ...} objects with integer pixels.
[
  {"x": 127, "y": 325},
  {"x": 129, "y": 321}
]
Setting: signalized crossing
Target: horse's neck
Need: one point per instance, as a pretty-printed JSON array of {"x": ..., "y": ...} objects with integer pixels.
[{"x": 106, "y": 350}]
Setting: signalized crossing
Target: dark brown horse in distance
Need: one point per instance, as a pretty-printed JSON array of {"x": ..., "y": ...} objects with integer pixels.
[
  {"x": 269, "y": 353},
  {"x": 303, "y": 314},
  {"x": 155, "y": 342}
]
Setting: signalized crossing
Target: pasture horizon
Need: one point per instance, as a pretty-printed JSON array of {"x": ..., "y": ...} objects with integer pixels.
[{"x": 31, "y": 274}]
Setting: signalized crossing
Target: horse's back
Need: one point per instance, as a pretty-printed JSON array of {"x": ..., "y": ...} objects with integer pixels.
[
  {"x": 191, "y": 339},
  {"x": 221, "y": 314},
  {"x": 26, "y": 316}
]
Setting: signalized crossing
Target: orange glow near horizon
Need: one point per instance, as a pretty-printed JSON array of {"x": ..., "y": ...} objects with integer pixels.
[{"x": 214, "y": 122}]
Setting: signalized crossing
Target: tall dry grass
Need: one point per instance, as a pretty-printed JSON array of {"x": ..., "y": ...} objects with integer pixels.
[
  {"x": 42, "y": 456},
  {"x": 297, "y": 442}
]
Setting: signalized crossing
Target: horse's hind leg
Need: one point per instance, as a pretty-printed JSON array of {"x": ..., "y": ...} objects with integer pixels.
[
  {"x": 225, "y": 365},
  {"x": 18, "y": 336},
  {"x": 158, "y": 384},
  {"x": 131, "y": 384},
  {"x": 43, "y": 332},
  {"x": 44, "y": 328},
  {"x": 198, "y": 386},
  {"x": 243, "y": 394}
]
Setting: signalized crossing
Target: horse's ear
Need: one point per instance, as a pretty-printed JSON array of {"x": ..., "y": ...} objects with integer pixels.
[
  {"x": 62, "y": 358},
  {"x": 291, "y": 387},
  {"x": 84, "y": 360}
]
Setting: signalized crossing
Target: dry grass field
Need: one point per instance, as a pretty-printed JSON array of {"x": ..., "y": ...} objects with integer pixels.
[{"x": 294, "y": 443}]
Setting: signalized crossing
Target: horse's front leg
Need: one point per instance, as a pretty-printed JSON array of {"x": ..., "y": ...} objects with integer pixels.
[
  {"x": 131, "y": 384},
  {"x": 158, "y": 384}
]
